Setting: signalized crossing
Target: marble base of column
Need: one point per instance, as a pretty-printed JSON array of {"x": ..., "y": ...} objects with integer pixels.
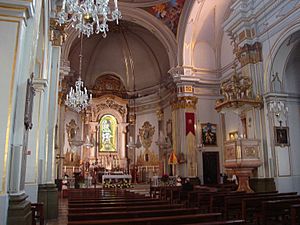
[
  {"x": 19, "y": 210},
  {"x": 48, "y": 194}
]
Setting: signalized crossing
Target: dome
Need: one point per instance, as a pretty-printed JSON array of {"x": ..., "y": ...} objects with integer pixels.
[{"x": 130, "y": 52}]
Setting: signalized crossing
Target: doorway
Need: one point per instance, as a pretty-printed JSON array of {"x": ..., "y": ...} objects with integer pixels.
[{"x": 211, "y": 168}]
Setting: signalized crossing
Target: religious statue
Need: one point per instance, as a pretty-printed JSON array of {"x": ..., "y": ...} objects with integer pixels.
[{"x": 108, "y": 133}]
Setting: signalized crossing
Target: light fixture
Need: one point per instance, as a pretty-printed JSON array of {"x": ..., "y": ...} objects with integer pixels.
[
  {"x": 78, "y": 99},
  {"x": 84, "y": 15}
]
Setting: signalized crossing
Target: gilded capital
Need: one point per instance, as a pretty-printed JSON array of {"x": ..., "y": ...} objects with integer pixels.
[
  {"x": 57, "y": 33},
  {"x": 185, "y": 102}
]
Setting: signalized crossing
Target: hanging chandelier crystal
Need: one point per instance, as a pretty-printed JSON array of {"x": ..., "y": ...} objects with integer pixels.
[
  {"x": 78, "y": 98},
  {"x": 85, "y": 14}
]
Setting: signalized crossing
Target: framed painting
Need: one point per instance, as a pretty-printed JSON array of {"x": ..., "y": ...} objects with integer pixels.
[
  {"x": 209, "y": 134},
  {"x": 282, "y": 136}
]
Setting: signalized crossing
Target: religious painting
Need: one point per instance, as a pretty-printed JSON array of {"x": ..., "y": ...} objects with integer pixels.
[
  {"x": 209, "y": 134},
  {"x": 282, "y": 136},
  {"x": 108, "y": 134}
]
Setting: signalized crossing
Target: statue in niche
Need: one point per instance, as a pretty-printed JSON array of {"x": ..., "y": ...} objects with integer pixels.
[{"x": 106, "y": 134}]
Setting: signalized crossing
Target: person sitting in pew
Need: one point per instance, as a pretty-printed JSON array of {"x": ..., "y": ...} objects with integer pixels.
[{"x": 187, "y": 186}]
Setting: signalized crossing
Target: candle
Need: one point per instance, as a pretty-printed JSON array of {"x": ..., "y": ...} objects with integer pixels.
[
  {"x": 73, "y": 169},
  {"x": 65, "y": 169},
  {"x": 63, "y": 6}
]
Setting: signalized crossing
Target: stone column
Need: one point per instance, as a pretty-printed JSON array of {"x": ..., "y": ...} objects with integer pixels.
[
  {"x": 184, "y": 144},
  {"x": 15, "y": 30},
  {"x": 122, "y": 132},
  {"x": 184, "y": 141},
  {"x": 32, "y": 167},
  {"x": 48, "y": 191}
]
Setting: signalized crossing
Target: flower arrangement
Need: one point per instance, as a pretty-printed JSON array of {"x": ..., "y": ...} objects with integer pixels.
[{"x": 123, "y": 184}]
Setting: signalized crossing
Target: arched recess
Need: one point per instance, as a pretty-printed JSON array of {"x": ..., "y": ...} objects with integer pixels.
[
  {"x": 142, "y": 18},
  {"x": 278, "y": 55},
  {"x": 282, "y": 58},
  {"x": 202, "y": 32},
  {"x": 182, "y": 28},
  {"x": 116, "y": 107}
]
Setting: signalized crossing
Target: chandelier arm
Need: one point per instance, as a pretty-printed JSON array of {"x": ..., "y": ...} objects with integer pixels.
[
  {"x": 80, "y": 56},
  {"x": 84, "y": 14}
]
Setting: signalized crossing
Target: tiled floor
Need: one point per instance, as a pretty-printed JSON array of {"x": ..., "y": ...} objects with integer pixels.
[
  {"x": 62, "y": 213},
  {"x": 63, "y": 205}
]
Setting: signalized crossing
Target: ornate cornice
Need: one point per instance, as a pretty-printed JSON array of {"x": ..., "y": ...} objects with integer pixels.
[
  {"x": 185, "y": 102},
  {"x": 17, "y": 8}
]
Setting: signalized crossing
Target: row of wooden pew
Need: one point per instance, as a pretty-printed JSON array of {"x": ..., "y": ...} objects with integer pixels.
[
  {"x": 119, "y": 207},
  {"x": 266, "y": 208}
]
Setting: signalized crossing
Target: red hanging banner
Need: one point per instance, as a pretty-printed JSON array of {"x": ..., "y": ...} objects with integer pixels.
[{"x": 190, "y": 123}]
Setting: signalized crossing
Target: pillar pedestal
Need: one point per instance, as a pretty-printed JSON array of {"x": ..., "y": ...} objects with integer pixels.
[
  {"x": 19, "y": 210},
  {"x": 48, "y": 194}
]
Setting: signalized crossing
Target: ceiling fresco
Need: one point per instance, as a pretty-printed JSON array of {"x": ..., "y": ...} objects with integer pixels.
[{"x": 169, "y": 13}]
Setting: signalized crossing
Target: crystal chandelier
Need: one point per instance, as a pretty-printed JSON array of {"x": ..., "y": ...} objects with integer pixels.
[
  {"x": 78, "y": 98},
  {"x": 85, "y": 14}
]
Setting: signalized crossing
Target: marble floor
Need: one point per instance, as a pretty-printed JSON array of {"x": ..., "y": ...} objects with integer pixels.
[{"x": 62, "y": 213}]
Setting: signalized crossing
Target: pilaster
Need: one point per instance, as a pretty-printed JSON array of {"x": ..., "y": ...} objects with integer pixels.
[{"x": 184, "y": 144}]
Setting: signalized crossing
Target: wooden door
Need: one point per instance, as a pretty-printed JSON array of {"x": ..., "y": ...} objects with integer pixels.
[{"x": 211, "y": 167}]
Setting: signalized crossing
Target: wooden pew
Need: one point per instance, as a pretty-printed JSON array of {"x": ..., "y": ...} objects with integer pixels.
[
  {"x": 251, "y": 206},
  {"x": 131, "y": 214},
  {"x": 37, "y": 212},
  {"x": 163, "y": 220},
  {"x": 158, "y": 206},
  {"x": 111, "y": 200},
  {"x": 92, "y": 193},
  {"x": 295, "y": 214},
  {"x": 233, "y": 204},
  {"x": 107, "y": 204},
  {"x": 202, "y": 200},
  {"x": 226, "y": 222},
  {"x": 276, "y": 212}
]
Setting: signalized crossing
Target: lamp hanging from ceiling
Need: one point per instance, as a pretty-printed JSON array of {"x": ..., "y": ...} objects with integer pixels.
[
  {"x": 78, "y": 98},
  {"x": 84, "y": 15}
]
